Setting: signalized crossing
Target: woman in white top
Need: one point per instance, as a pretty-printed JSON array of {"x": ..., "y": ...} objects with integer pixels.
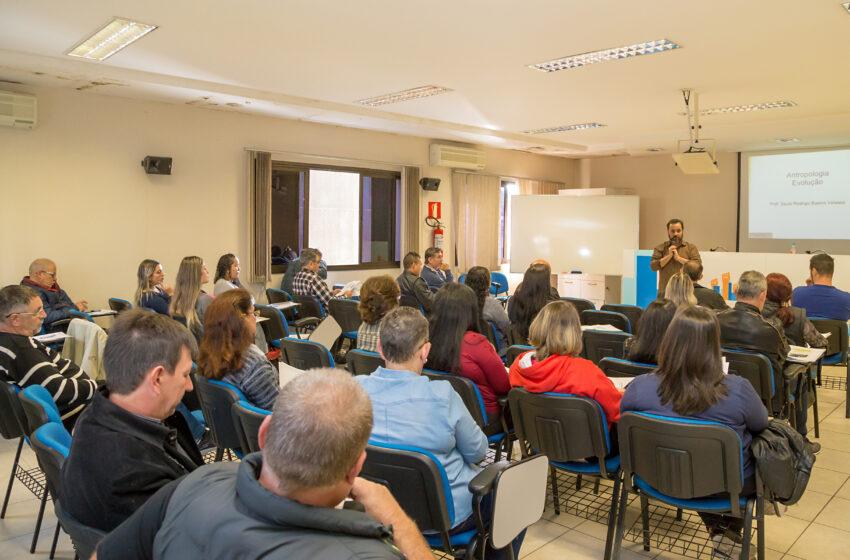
[{"x": 226, "y": 274}]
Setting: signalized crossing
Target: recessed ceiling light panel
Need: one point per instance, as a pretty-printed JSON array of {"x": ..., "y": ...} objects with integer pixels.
[
  {"x": 110, "y": 39},
  {"x": 846, "y": 6},
  {"x": 617, "y": 53},
  {"x": 787, "y": 140},
  {"x": 564, "y": 128},
  {"x": 406, "y": 95},
  {"x": 748, "y": 108}
]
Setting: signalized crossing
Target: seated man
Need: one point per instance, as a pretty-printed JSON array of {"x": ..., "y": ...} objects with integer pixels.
[
  {"x": 436, "y": 272},
  {"x": 57, "y": 304},
  {"x": 411, "y": 284},
  {"x": 281, "y": 503},
  {"x": 294, "y": 267},
  {"x": 821, "y": 298},
  {"x": 25, "y": 361},
  {"x": 130, "y": 443},
  {"x": 413, "y": 410},
  {"x": 706, "y": 297},
  {"x": 745, "y": 328},
  {"x": 307, "y": 281}
]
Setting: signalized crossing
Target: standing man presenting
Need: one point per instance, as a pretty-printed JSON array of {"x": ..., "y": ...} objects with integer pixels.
[{"x": 669, "y": 257}]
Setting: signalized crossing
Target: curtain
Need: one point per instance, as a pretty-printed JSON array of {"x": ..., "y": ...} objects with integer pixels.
[
  {"x": 475, "y": 218},
  {"x": 412, "y": 215},
  {"x": 534, "y": 186},
  {"x": 260, "y": 216}
]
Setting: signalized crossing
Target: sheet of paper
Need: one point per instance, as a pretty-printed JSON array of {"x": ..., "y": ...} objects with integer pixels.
[
  {"x": 327, "y": 332},
  {"x": 261, "y": 319},
  {"x": 610, "y": 328},
  {"x": 287, "y": 372},
  {"x": 51, "y": 337},
  {"x": 101, "y": 312},
  {"x": 804, "y": 355},
  {"x": 621, "y": 382},
  {"x": 284, "y": 305}
]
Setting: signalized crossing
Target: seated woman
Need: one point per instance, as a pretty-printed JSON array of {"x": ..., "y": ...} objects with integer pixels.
[
  {"x": 690, "y": 383},
  {"x": 226, "y": 274},
  {"x": 489, "y": 308},
  {"x": 554, "y": 365},
  {"x": 378, "y": 296},
  {"x": 680, "y": 290},
  {"x": 457, "y": 346},
  {"x": 151, "y": 293},
  {"x": 643, "y": 347},
  {"x": 798, "y": 329},
  {"x": 529, "y": 298},
  {"x": 227, "y": 351},
  {"x": 189, "y": 302}
]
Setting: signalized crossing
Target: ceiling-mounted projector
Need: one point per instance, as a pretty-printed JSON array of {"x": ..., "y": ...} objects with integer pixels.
[{"x": 694, "y": 156}]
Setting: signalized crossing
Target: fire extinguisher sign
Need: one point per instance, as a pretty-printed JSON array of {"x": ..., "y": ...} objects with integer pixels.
[{"x": 435, "y": 210}]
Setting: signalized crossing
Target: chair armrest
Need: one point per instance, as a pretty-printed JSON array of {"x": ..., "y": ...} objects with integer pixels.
[
  {"x": 482, "y": 484},
  {"x": 306, "y": 322}
]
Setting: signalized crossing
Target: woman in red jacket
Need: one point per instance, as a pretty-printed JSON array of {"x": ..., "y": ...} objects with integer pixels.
[
  {"x": 457, "y": 346},
  {"x": 554, "y": 365}
]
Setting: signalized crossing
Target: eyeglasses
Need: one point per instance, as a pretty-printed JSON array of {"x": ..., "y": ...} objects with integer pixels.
[
  {"x": 256, "y": 313},
  {"x": 35, "y": 313},
  {"x": 51, "y": 274}
]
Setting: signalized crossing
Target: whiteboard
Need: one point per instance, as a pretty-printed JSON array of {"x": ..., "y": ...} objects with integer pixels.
[{"x": 586, "y": 233}]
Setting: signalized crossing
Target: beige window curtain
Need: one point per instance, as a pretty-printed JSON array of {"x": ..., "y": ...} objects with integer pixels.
[
  {"x": 260, "y": 216},
  {"x": 534, "y": 186},
  {"x": 412, "y": 216},
  {"x": 475, "y": 212}
]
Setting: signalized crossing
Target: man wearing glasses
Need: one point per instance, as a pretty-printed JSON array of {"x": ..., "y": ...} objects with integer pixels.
[
  {"x": 24, "y": 361},
  {"x": 57, "y": 304}
]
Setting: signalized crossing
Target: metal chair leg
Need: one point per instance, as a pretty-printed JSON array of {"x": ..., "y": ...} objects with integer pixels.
[
  {"x": 748, "y": 531},
  {"x": 814, "y": 387},
  {"x": 557, "y": 501},
  {"x": 621, "y": 521},
  {"x": 578, "y": 482},
  {"x": 219, "y": 454},
  {"x": 55, "y": 540},
  {"x": 612, "y": 518},
  {"x": 644, "y": 516},
  {"x": 596, "y": 486},
  {"x": 38, "y": 521},
  {"x": 760, "y": 526},
  {"x": 12, "y": 477}
]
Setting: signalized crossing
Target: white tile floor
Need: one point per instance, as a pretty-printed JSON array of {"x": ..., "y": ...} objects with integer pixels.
[{"x": 817, "y": 528}]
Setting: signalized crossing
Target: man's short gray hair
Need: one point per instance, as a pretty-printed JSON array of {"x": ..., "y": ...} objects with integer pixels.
[
  {"x": 319, "y": 427},
  {"x": 403, "y": 331},
  {"x": 751, "y": 284},
  {"x": 310, "y": 255},
  {"x": 14, "y": 297}
]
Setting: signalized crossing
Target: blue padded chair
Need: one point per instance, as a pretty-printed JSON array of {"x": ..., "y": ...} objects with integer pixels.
[
  {"x": 757, "y": 369},
  {"x": 836, "y": 350},
  {"x": 306, "y": 354},
  {"x": 579, "y": 303},
  {"x": 461, "y": 279},
  {"x": 346, "y": 313},
  {"x": 514, "y": 352},
  {"x": 51, "y": 444},
  {"x": 39, "y": 407},
  {"x": 619, "y": 367},
  {"x": 247, "y": 419},
  {"x": 13, "y": 424},
  {"x": 275, "y": 327},
  {"x": 362, "y": 362},
  {"x": 310, "y": 307},
  {"x": 680, "y": 461},
  {"x": 119, "y": 305},
  {"x": 217, "y": 398},
  {"x": 501, "y": 280},
  {"x": 613, "y": 318},
  {"x": 568, "y": 429},
  {"x": 632, "y": 312},
  {"x": 603, "y": 344}
]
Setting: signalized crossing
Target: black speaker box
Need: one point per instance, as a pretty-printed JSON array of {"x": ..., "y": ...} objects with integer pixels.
[
  {"x": 429, "y": 183},
  {"x": 157, "y": 165}
]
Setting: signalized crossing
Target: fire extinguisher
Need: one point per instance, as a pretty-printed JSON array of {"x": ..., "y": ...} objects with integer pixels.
[{"x": 433, "y": 221}]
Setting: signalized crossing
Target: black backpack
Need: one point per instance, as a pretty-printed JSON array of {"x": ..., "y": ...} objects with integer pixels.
[{"x": 784, "y": 462}]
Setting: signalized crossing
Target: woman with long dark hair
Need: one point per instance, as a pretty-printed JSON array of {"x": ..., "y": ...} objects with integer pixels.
[
  {"x": 458, "y": 347},
  {"x": 643, "y": 347},
  {"x": 690, "y": 383},
  {"x": 226, "y": 274},
  {"x": 529, "y": 298},
  {"x": 490, "y": 310},
  {"x": 798, "y": 329}
]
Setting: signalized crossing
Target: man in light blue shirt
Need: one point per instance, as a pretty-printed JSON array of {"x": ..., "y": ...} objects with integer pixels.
[{"x": 409, "y": 409}]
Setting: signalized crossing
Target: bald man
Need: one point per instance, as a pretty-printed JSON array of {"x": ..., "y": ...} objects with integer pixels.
[{"x": 57, "y": 304}]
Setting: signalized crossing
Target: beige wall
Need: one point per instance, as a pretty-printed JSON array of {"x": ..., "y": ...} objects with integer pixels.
[
  {"x": 706, "y": 203},
  {"x": 73, "y": 188}
]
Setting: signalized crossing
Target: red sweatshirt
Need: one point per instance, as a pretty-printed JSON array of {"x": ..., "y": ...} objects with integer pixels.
[
  {"x": 481, "y": 364},
  {"x": 566, "y": 374}
]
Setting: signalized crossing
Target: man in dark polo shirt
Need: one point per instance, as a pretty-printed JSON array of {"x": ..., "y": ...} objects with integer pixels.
[
  {"x": 669, "y": 257},
  {"x": 129, "y": 442},
  {"x": 281, "y": 503}
]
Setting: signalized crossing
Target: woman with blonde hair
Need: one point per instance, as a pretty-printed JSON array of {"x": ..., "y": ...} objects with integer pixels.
[
  {"x": 228, "y": 353},
  {"x": 190, "y": 302},
  {"x": 151, "y": 293},
  {"x": 554, "y": 366},
  {"x": 680, "y": 290},
  {"x": 378, "y": 296}
]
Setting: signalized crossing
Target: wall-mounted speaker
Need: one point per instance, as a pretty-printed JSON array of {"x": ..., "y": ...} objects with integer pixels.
[
  {"x": 429, "y": 183},
  {"x": 157, "y": 165}
]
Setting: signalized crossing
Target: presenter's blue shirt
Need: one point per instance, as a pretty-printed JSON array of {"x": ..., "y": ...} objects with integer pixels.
[
  {"x": 410, "y": 409},
  {"x": 822, "y": 301}
]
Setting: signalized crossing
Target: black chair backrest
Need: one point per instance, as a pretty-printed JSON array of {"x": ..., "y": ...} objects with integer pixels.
[
  {"x": 310, "y": 307},
  {"x": 615, "y": 367},
  {"x": 274, "y": 328},
  {"x": 346, "y": 314},
  {"x": 13, "y": 420},
  {"x": 468, "y": 393},
  {"x": 562, "y": 427},
  {"x": 756, "y": 369},
  {"x": 408, "y": 300},
  {"x": 50, "y": 462},
  {"x": 594, "y": 317},
  {"x": 415, "y": 481},
  {"x": 279, "y": 296},
  {"x": 304, "y": 354},
  {"x": 682, "y": 458},
  {"x": 633, "y": 312},
  {"x": 490, "y": 332},
  {"x": 579, "y": 303},
  {"x": 604, "y": 344},
  {"x": 216, "y": 402},
  {"x": 247, "y": 420},
  {"x": 837, "y": 341},
  {"x": 514, "y": 352},
  {"x": 83, "y": 537},
  {"x": 361, "y": 362},
  {"x": 119, "y": 305}
]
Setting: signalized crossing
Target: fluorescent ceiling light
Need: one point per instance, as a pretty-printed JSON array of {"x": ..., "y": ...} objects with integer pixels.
[
  {"x": 655, "y": 149},
  {"x": 846, "y": 6},
  {"x": 748, "y": 108},
  {"x": 787, "y": 140},
  {"x": 406, "y": 95},
  {"x": 578, "y": 60},
  {"x": 564, "y": 128},
  {"x": 111, "y": 38}
]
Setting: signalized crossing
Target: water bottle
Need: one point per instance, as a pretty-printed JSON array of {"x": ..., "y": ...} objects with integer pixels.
[{"x": 794, "y": 248}]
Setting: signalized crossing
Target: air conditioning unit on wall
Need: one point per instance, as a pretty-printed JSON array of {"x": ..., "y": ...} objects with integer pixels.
[
  {"x": 19, "y": 110},
  {"x": 457, "y": 157}
]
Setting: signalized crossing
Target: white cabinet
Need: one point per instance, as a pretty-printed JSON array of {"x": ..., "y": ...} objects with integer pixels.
[{"x": 584, "y": 286}]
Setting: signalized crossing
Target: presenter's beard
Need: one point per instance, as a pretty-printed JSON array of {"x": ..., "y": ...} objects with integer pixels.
[{"x": 675, "y": 240}]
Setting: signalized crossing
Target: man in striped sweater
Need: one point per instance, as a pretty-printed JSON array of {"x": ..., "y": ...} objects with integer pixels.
[{"x": 25, "y": 361}]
